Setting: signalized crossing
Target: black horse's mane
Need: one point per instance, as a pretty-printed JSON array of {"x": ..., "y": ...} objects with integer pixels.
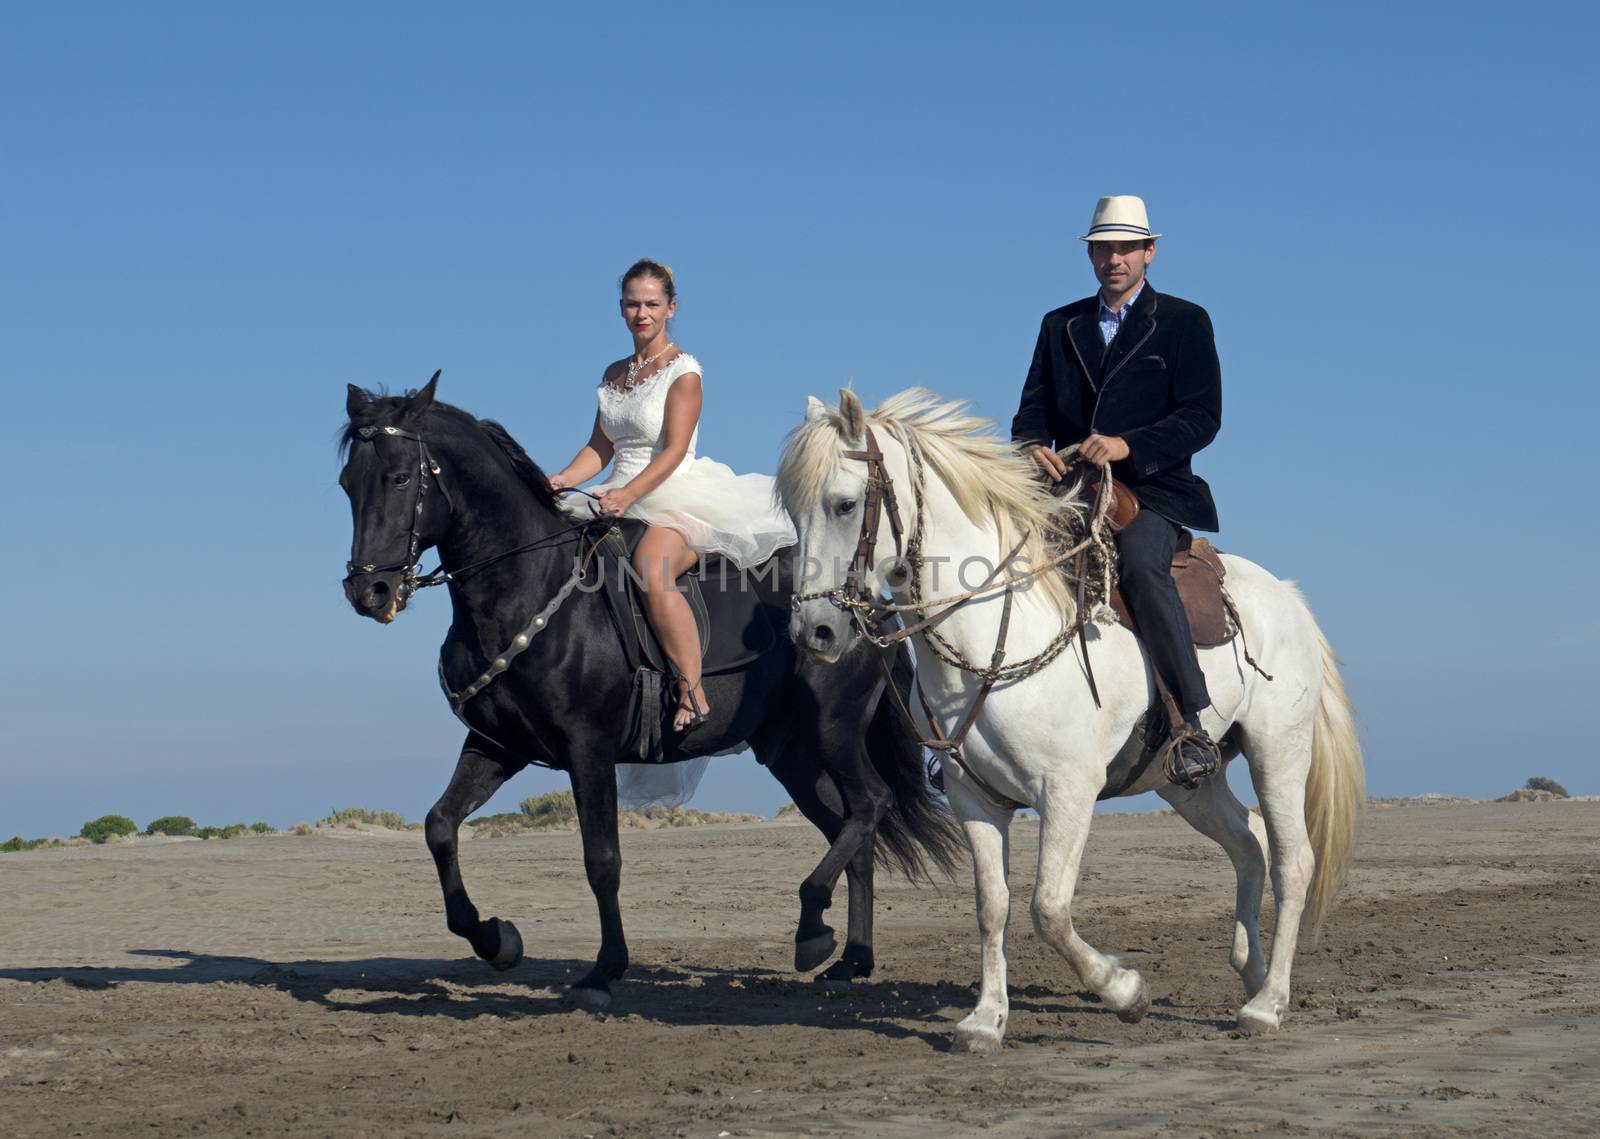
[{"x": 526, "y": 469}]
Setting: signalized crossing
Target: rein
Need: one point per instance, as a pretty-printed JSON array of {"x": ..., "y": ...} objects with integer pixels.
[{"x": 427, "y": 465}]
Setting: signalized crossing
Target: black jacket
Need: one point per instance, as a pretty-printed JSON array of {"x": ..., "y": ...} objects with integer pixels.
[{"x": 1158, "y": 385}]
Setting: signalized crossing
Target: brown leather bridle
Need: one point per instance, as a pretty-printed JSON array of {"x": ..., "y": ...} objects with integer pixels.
[{"x": 856, "y": 594}]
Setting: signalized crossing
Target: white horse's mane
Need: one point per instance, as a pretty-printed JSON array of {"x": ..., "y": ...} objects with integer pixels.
[{"x": 992, "y": 482}]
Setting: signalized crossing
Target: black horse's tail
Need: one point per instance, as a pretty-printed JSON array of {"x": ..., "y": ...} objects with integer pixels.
[{"x": 918, "y": 834}]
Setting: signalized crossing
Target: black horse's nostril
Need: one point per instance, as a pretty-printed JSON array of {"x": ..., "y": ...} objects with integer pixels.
[{"x": 379, "y": 591}]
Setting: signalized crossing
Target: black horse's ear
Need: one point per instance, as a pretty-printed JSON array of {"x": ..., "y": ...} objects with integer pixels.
[
  {"x": 355, "y": 400},
  {"x": 423, "y": 400}
]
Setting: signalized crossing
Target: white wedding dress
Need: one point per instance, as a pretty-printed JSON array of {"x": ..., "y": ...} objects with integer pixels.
[{"x": 717, "y": 512}]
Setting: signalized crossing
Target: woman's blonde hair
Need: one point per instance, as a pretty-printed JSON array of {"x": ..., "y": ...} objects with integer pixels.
[{"x": 655, "y": 270}]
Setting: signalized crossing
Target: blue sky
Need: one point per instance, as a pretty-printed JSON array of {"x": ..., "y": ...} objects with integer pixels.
[{"x": 212, "y": 218}]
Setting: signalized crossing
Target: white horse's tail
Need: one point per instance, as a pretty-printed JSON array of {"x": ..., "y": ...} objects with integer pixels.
[{"x": 1336, "y": 786}]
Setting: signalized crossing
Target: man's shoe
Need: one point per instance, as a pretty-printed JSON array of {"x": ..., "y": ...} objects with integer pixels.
[{"x": 1192, "y": 757}]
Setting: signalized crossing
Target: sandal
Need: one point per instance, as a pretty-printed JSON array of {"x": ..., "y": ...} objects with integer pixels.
[{"x": 687, "y": 703}]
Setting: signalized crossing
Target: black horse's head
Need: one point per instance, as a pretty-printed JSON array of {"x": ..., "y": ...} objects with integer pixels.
[{"x": 399, "y": 506}]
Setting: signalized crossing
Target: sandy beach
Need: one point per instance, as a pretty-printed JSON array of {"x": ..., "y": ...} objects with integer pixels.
[{"x": 306, "y": 985}]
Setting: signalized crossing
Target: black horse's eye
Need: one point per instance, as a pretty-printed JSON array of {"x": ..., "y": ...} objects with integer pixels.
[
  {"x": 402, "y": 481},
  {"x": 846, "y": 507}
]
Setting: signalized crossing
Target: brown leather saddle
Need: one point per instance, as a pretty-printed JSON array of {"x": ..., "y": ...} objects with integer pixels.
[{"x": 1196, "y": 569}]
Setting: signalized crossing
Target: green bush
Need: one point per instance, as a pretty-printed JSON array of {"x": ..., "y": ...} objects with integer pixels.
[
  {"x": 1540, "y": 783},
  {"x": 550, "y": 810},
  {"x": 98, "y": 830},
  {"x": 19, "y": 843},
  {"x": 208, "y": 832},
  {"x": 171, "y": 825},
  {"x": 234, "y": 830},
  {"x": 263, "y": 828}
]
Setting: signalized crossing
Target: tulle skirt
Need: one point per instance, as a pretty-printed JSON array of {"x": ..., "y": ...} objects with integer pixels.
[
  {"x": 716, "y": 510},
  {"x": 641, "y": 785}
]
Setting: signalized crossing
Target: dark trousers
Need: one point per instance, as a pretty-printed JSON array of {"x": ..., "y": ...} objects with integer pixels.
[{"x": 1145, "y": 551}]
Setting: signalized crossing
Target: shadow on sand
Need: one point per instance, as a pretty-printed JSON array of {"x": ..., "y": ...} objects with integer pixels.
[{"x": 669, "y": 994}]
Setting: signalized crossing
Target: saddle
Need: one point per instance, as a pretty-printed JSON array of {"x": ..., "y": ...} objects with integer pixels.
[
  {"x": 738, "y": 614},
  {"x": 1197, "y": 571}
]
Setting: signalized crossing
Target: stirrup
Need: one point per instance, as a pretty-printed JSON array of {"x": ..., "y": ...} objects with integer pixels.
[
  {"x": 1190, "y": 757},
  {"x": 696, "y": 717}
]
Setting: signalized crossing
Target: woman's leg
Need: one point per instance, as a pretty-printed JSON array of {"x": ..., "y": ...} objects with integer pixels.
[{"x": 661, "y": 557}]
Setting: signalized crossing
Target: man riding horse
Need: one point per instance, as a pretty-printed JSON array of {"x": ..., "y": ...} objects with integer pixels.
[{"x": 1131, "y": 376}]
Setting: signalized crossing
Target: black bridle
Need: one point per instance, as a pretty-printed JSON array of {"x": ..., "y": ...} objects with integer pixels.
[{"x": 426, "y": 465}]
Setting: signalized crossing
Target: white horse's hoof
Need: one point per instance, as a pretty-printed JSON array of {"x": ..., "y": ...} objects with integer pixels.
[
  {"x": 1256, "y": 1021},
  {"x": 590, "y": 1000},
  {"x": 977, "y": 1039},
  {"x": 1134, "y": 1013},
  {"x": 1126, "y": 996}
]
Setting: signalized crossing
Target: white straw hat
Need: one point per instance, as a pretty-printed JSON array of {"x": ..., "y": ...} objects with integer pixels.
[{"x": 1119, "y": 217}]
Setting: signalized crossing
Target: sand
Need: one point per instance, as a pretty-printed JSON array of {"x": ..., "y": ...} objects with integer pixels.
[{"x": 307, "y": 986}]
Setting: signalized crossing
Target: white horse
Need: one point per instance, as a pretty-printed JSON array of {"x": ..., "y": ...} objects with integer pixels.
[{"x": 1044, "y": 739}]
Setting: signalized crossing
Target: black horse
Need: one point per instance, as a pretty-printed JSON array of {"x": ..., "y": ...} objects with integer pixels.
[{"x": 421, "y": 474}]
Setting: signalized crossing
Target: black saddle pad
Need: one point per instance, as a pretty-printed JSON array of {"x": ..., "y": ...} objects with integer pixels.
[{"x": 739, "y": 612}]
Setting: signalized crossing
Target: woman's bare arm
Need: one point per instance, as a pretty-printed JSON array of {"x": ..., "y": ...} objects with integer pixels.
[{"x": 590, "y": 460}]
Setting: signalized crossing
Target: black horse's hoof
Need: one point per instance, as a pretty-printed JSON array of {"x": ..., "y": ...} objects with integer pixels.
[
  {"x": 842, "y": 974},
  {"x": 813, "y": 951},
  {"x": 506, "y": 951},
  {"x": 590, "y": 999}
]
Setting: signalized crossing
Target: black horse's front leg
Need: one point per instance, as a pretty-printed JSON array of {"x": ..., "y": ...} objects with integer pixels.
[
  {"x": 857, "y": 960},
  {"x": 480, "y": 771},
  {"x": 594, "y": 787},
  {"x": 866, "y": 798},
  {"x": 817, "y": 796}
]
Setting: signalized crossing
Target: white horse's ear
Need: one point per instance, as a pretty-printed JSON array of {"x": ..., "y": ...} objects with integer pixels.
[
  {"x": 855, "y": 416},
  {"x": 815, "y": 408}
]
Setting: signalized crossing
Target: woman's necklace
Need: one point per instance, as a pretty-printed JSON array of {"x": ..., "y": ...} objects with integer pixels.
[{"x": 633, "y": 379}]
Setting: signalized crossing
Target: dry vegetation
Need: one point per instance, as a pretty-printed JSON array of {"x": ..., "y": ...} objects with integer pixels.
[{"x": 556, "y": 811}]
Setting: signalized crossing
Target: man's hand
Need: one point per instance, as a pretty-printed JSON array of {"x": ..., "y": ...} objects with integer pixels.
[
  {"x": 1048, "y": 462},
  {"x": 1103, "y": 450}
]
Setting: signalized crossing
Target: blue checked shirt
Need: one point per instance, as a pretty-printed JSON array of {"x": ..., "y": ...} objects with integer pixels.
[{"x": 1111, "y": 321}]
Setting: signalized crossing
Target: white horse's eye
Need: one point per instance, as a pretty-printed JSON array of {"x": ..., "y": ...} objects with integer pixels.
[{"x": 847, "y": 506}]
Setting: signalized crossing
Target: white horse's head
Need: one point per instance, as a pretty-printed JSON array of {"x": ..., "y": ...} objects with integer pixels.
[
  {"x": 827, "y": 494},
  {"x": 972, "y": 495}
]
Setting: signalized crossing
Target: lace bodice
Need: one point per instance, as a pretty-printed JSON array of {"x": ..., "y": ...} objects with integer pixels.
[{"x": 635, "y": 421}]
